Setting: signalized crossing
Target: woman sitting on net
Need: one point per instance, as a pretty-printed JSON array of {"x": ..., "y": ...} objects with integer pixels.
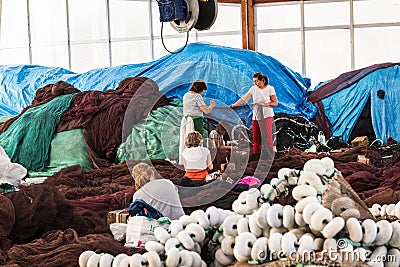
[
  {"x": 217, "y": 136},
  {"x": 161, "y": 194},
  {"x": 196, "y": 159}
]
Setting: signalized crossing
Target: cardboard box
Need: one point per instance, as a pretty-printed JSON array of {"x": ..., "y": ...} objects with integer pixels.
[
  {"x": 117, "y": 216},
  {"x": 363, "y": 159},
  {"x": 360, "y": 141}
]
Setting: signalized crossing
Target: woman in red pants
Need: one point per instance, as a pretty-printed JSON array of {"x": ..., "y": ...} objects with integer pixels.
[{"x": 264, "y": 99}]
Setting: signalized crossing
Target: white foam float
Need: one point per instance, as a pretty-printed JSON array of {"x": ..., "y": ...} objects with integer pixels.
[
  {"x": 227, "y": 245},
  {"x": 369, "y": 230},
  {"x": 118, "y": 259},
  {"x": 354, "y": 229},
  {"x": 321, "y": 218},
  {"x": 84, "y": 257},
  {"x": 244, "y": 243},
  {"x": 275, "y": 215},
  {"x": 333, "y": 227},
  {"x": 106, "y": 260},
  {"x": 161, "y": 235},
  {"x": 259, "y": 251},
  {"x": 93, "y": 260},
  {"x": 384, "y": 232},
  {"x": 222, "y": 258}
]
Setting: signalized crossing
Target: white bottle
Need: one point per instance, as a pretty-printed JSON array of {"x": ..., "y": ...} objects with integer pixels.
[{"x": 321, "y": 137}]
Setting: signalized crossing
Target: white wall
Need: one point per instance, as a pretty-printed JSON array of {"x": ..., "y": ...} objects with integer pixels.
[{"x": 319, "y": 39}]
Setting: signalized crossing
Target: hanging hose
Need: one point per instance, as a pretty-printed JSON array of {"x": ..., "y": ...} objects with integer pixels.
[{"x": 162, "y": 40}]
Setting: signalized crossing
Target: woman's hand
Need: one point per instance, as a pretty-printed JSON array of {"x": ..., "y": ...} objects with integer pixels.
[
  {"x": 212, "y": 103},
  {"x": 264, "y": 104}
]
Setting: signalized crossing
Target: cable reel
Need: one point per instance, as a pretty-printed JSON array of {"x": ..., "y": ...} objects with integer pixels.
[{"x": 184, "y": 15}]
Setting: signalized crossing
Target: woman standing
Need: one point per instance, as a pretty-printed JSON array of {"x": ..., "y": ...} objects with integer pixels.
[
  {"x": 264, "y": 99},
  {"x": 193, "y": 109},
  {"x": 194, "y": 106}
]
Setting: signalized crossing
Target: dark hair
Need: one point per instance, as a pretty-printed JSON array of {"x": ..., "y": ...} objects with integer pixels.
[
  {"x": 261, "y": 77},
  {"x": 220, "y": 128},
  {"x": 198, "y": 86}
]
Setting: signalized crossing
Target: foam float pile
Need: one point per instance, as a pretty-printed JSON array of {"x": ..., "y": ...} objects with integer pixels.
[{"x": 327, "y": 218}]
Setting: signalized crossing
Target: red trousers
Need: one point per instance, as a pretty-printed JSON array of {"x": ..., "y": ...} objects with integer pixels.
[{"x": 262, "y": 134}]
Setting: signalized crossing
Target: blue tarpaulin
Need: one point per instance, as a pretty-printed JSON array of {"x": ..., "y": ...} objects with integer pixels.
[
  {"x": 227, "y": 71},
  {"x": 343, "y": 108}
]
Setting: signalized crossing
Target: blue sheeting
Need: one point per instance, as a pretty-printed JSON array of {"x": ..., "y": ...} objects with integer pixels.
[
  {"x": 227, "y": 71},
  {"x": 344, "y": 108}
]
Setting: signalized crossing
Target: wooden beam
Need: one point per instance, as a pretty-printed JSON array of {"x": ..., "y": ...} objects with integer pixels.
[
  {"x": 243, "y": 9},
  {"x": 250, "y": 25}
]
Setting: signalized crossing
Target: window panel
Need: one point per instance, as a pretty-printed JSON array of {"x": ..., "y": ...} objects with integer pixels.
[
  {"x": 85, "y": 57},
  {"x": 383, "y": 48},
  {"x": 278, "y": 17},
  {"x": 228, "y": 19},
  {"x": 14, "y": 56},
  {"x": 14, "y": 24},
  {"x": 87, "y": 20},
  {"x": 52, "y": 27},
  {"x": 327, "y": 54},
  {"x": 129, "y": 18},
  {"x": 234, "y": 41},
  {"x": 376, "y": 11},
  {"x": 283, "y": 46},
  {"x": 130, "y": 52},
  {"x": 52, "y": 56},
  {"x": 172, "y": 44},
  {"x": 326, "y": 14}
]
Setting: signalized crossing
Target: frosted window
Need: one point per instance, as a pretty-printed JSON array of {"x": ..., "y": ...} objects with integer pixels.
[
  {"x": 327, "y": 54},
  {"x": 383, "y": 48},
  {"x": 326, "y": 14},
  {"x": 172, "y": 44},
  {"x": 234, "y": 41},
  {"x": 283, "y": 46},
  {"x": 277, "y": 17},
  {"x": 52, "y": 56},
  {"x": 48, "y": 21},
  {"x": 14, "y": 56},
  {"x": 14, "y": 23},
  {"x": 373, "y": 11},
  {"x": 87, "y": 20},
  {"x": 228, "y": 19},
  {"x": 85, "y": 57},
  {"x": 130, "y": 52},
  {"x": 129, "y": 18}
]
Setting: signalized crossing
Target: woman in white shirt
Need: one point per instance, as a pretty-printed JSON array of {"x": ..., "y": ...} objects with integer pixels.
[
  {"x": 196, "y": 159},
  {"x": 194, "y": 106},
  {"x": 264, "y": 99},
  {"x": 161, "y": 194}
]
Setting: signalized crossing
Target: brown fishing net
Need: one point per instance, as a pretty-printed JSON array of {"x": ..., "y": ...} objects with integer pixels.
[{"x": 342, "y": 200}]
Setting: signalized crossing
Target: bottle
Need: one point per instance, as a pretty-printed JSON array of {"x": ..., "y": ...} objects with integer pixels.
[{"x": 321, "y": 137}]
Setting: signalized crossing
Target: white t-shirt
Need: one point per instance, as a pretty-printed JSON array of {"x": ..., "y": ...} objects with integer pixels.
[
  {"x": 215, "y": 135},
  {"x": 263, "y": 95},
  {"x": 196, "y": 157},
  {"x": 192, "y": 103},
  {"x": 163, "y": 195}
]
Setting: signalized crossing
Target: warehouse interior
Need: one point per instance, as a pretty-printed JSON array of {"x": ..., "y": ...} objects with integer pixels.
[{"x": 91, "y": 90}]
